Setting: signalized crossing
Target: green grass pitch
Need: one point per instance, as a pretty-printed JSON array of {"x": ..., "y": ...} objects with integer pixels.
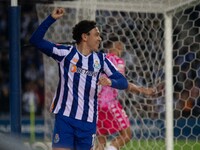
[{"x": 160, "y": 145}]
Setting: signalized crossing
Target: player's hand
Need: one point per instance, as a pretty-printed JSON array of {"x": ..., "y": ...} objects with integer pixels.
[
  {"x": 104, "y": 81},
  {"x": 150, "y": 91},
  {"x": 58, "y": 13}
]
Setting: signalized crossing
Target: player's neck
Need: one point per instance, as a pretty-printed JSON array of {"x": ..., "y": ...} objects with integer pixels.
[{"x": 83, "y": 49}]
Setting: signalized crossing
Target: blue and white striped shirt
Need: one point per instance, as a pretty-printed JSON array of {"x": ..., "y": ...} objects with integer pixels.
[{"x": 76, "y": 94}]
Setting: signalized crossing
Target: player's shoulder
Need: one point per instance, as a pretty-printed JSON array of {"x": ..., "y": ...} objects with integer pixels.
[
  {"x": 62, "y": 46},
  {"x": 100, "y": 54},
  {"x": 68, "y": 48}
]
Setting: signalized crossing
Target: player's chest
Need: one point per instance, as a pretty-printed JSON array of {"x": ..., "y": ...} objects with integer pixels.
[{"x": 89, "y": 66}]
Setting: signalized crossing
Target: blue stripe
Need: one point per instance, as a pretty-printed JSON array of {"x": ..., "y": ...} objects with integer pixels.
[
  {"x": 87, "y": 89},
  {"x": 75, "y": 89},
  {"x": 100, "y": 55},
  {"x": 57, "y": 92},
  {"x": 110, "y": 66},
  {"x": 66, "y": 70},
  {"x": 95, "y": 103}
]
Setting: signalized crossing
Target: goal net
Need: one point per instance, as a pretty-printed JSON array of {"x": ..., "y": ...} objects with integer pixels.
[{"x": 162, "y": 50}]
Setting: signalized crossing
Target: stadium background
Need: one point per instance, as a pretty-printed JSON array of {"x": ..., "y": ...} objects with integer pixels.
[{"x": 32, "y": 71}]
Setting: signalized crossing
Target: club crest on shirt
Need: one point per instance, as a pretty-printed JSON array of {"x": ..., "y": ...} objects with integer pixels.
[
  {"x": 96, "y": 65},
  {"x": 56, "y": 138}
]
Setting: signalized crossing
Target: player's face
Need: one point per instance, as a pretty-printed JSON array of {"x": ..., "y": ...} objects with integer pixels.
[
  {"x": 119, "y": 47},
  {"x": 94, "y": 39}
]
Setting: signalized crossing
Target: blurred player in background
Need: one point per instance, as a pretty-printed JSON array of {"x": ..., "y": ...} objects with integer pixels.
[
  {"x": 112, "y": 117},
  {"x": 80, "y": 66}
]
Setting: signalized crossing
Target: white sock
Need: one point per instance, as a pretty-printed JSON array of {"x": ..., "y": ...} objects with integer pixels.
[{"x": 110, "y": 147}]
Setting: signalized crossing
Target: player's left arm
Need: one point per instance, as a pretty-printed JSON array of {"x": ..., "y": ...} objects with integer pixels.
[{"x": 114, "y": 78}]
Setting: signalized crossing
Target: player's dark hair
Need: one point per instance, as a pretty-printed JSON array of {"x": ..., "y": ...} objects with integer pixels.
[{"x": 82, "y": 27}]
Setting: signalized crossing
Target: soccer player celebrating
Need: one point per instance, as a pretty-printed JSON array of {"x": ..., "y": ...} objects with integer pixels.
[
  {"x": 80, "y": 66},
  {"x": 112, "y": 117}
]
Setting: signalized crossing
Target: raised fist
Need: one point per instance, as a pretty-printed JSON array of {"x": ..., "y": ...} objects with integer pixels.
[{"x": 58, "y": 13}]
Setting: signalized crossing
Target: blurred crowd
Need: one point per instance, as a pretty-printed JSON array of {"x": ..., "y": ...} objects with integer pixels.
[{"x": 32, "y": 81}]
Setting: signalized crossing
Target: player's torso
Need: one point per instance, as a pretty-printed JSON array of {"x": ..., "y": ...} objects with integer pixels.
[
  {"x": 84, "y": 69},
  {"x": 79, "y": 76}
]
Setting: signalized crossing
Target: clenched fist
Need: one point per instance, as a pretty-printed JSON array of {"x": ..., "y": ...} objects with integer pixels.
[
  {"x": 58, "y": 13},
  {"x": 104, "y": 81}
]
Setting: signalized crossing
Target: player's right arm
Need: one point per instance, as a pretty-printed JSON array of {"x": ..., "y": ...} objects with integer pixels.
[{"x": 37, "y": 38}]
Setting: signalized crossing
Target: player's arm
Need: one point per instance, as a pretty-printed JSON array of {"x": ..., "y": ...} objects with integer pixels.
[
  {"x": 37, "y": 37},
  {"x": 57, "y": 13},
  {"x": 115, "y": 79},
  {"x": 140, "y": 90}
]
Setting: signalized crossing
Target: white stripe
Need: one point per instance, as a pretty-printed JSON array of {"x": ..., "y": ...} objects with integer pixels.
[
  {"x": 107, "y": 70},
  {"x": 70, "y": 94},
  {"x": 81, "y": 88},
  {"x": 91, "y": 104},
  {"x": 80, "y": 107}
]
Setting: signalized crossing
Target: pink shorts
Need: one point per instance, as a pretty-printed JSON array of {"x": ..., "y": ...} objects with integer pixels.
[{"x": 112, "y": 118}]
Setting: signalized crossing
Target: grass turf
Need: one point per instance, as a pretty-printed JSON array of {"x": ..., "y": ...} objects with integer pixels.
[{"x": 160, "y": 145}]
